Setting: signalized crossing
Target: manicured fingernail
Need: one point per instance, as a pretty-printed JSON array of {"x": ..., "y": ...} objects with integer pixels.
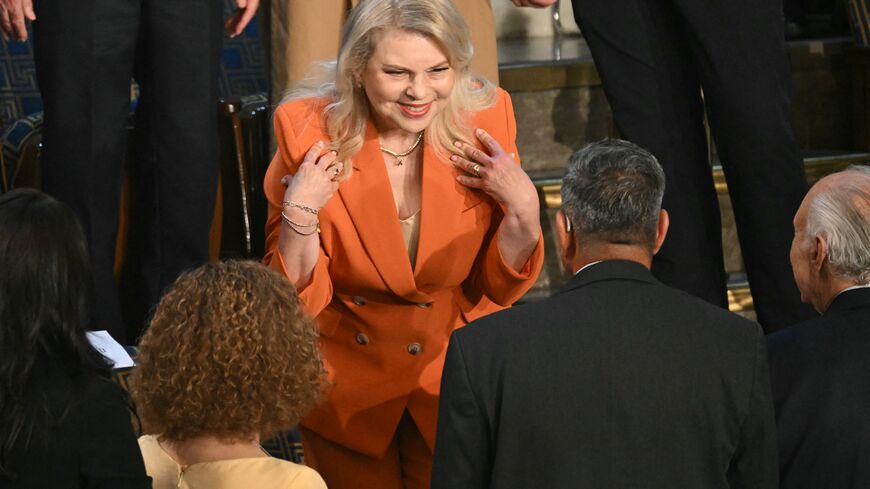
[
  {"x": 454, "y": 158},
  {"x": 457, "y": 144},
  {"x": 479, "y": 131}
]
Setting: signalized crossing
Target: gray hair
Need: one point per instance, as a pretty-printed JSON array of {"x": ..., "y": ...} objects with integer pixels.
[
  {"x": 612, "y": 190},
  {"x": 841, "y": 215}
]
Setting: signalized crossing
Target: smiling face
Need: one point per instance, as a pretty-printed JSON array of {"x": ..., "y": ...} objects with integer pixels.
[{"x": 407, "y": 81}]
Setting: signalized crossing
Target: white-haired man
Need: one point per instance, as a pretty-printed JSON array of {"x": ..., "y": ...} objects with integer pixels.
[{"x": 820, "y": 368}]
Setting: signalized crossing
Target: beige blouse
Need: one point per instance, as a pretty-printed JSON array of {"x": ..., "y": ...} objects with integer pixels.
[
  {"x": 411, "y": 233},
  {"x": 242, "y": 473}
]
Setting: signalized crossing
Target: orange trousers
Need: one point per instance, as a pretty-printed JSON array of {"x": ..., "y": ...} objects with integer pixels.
[{"x": 406, "y": 465}]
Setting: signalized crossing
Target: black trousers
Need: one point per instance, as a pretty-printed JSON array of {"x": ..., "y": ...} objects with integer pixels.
[
  {"x": 654, "y": 58},
  {"x": 86, "y": 52}
]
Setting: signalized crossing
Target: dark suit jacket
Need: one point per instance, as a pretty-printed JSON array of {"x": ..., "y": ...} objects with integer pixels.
[
  {"x": 91, "y": 444},
  {"x": 820, "y": 374},
  {"x": 616, "y": 381}
]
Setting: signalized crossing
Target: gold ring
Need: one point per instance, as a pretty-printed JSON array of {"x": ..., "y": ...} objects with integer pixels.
[{"x": 476, "y": 169}]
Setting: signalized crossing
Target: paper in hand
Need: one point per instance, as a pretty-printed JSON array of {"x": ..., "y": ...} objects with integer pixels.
[{"x": 111, "y": 349}]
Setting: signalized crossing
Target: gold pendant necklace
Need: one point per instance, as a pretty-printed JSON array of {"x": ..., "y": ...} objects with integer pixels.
[{"x": 400, "y": 157}]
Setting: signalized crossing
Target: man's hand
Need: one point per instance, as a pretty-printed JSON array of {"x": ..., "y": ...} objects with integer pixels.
[
  {"x": 12, "y": 16},
  {"x": 238, "y": 20},
  {"x": 533, "y": 3}
]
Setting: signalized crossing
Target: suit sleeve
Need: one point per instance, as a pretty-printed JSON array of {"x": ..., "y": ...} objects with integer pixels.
[
  {"x": 755, "y": 463},
  {"x": 495, "y": 277},
  {"x": 462, "y": 451},
  {"x": 317, "y": 293},
  {"x": 108, "y": 453}
]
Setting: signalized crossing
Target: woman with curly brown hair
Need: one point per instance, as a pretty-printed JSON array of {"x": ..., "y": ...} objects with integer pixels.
[{"x": 228, "y": 359}]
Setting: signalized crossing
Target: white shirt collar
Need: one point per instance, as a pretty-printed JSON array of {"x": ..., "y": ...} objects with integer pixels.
[
  {"x": 584, "y": 267},
  {"x": 854, "y": 287}
]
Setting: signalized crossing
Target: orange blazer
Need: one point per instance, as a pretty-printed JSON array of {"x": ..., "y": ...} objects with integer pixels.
[{"x": 384, "y": 326}]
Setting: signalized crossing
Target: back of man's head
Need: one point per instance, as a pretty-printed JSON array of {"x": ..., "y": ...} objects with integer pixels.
[
  {"x": 612, "y": 193},
  {"x": 840, "y": 214}
]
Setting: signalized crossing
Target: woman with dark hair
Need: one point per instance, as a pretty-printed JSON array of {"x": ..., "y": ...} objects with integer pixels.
[{"x": 63, "y": 422}]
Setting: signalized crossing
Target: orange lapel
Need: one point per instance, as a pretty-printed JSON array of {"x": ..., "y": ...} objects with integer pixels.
[
  {"x": 368, "y": 198},
  {"x": 443, "y": 200}
]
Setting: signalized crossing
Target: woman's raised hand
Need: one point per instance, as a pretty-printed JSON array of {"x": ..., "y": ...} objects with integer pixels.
[
  {"x": 314, "y": 182},
  {"x": 497, "y": 173}
]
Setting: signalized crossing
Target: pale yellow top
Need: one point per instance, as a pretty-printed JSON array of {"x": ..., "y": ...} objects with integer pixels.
[
  {"x": 242, "y": 473},
  {"x": 411, "y": 233}
]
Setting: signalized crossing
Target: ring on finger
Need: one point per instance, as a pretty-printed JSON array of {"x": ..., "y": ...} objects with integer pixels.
[{"x": 475, "y": 168}]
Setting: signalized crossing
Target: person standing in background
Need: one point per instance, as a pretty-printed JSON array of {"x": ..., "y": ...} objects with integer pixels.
[
  {"x": 304, "y": 32},
  {"x": 655, "y": 57},
  {"x": 86, "y": 52}
]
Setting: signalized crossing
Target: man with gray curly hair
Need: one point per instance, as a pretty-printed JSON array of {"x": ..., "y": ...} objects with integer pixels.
[
  {"x": 616, "y": 380},
  {"x": 820, "y": 368}
]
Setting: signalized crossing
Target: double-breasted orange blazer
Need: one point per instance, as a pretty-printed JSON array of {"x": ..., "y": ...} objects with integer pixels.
[{"x": 384, "y": 325}]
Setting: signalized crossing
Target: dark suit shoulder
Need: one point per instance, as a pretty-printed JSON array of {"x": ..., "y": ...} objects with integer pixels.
[
  {"x": 791, "y": 339},
  {"x": 512, "y": 320},
  {"x": 828, "y": 334},
  {"x": 616, "y": 304},
  {"x": 718, "y": 315}
]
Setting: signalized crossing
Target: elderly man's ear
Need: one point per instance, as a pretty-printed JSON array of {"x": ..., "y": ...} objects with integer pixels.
[
  {"x": 820, "y": 254},
  {"x": 661, "y": 230}
]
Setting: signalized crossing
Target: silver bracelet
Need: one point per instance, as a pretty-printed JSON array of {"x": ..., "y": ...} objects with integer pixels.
[
  {"x": 308, "y": 209},
  {"x": 294, "y": 226},
  {"x": 290, "y": 221}
]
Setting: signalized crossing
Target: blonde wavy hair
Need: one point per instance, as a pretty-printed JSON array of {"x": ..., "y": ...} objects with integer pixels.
[
  {"x": 228, "y": 354},
  {"x": 346, "y": 111}
]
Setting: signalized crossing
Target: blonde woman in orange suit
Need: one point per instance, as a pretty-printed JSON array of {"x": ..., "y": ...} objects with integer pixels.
[{"x": 399, "y": 211}]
